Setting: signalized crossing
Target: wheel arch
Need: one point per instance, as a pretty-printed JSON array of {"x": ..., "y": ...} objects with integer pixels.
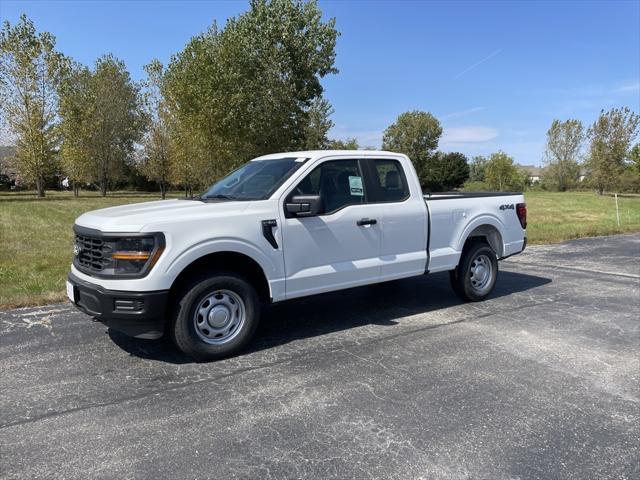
[
  {"x": 487, "y": 230},
  {"x": 227, "y": 260}
]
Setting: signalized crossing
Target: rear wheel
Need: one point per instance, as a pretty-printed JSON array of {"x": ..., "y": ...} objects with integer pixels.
[
  {"x": 215, "y": 316},
  {"x": 475, "y": 277}
]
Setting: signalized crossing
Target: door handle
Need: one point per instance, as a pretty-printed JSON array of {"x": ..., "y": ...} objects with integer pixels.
[{"x": 366, "y": 221}]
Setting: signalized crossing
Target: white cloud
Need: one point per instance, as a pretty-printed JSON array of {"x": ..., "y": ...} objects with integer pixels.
[
  {"x": 463, "y": 113},
  {"x": 633, "y": 87},
  {"x": 471, "y": 134}
]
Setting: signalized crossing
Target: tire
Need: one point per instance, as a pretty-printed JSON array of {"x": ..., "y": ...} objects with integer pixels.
[
  {"x": 215, "y": 316},
  {"x": 478, "y": 260}
]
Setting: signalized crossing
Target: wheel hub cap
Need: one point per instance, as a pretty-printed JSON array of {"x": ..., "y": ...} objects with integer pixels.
[
  {"x": 219, "y": 316},
  {"x": 481, "y": 273}
]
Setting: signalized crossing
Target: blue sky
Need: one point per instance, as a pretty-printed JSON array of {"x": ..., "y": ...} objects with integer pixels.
[{"x": 495, "y": 73}]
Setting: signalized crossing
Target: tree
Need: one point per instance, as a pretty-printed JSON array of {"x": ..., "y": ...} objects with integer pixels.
[
  {"x": 75, "y": 129},
  {"x": 318, "y": 125},
  {"x": 116, "y": 117},
  {"x": 156, "y": 159},
  {"x": 502, "y": 174},
  {"x": 446, "y": 171},
  {"x": 611, "y": 136},
  {"x": 564, "y": 141},
  {"x": 477, "y": 168},
  {"x": 31, "y": 71},
  {"x": 254, "y": 86},
  {"x": 102, "y": 120},
  {"x": 415, "y": 134},
  {"x": 346, "y": 144}
]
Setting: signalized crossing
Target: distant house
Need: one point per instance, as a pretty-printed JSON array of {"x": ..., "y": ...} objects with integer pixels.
[{"x": 534, "y": 173}]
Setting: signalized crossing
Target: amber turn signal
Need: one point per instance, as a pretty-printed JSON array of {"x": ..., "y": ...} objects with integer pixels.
[{"x": 144, "y": 256}]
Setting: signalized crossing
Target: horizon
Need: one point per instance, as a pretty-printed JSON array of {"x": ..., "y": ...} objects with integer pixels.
[{"x": 495, "y": 74}]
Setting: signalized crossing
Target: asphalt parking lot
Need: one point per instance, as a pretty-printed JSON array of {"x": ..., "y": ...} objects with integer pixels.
[{"x": 399, "y": 380}]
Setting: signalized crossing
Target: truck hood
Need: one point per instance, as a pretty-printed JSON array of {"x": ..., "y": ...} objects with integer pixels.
[{"x": 147, "y": 215}]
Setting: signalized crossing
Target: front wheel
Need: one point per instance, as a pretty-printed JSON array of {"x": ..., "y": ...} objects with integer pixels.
[
  {"x": 475, "y": 277},
  {"x": 215, "y": 316}
]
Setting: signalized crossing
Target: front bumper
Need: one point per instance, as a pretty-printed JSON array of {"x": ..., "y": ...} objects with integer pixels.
[{"x": 138, "y": 314}]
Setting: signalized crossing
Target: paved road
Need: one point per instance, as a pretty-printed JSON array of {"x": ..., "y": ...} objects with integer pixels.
[{"x": 391, "y": 381}]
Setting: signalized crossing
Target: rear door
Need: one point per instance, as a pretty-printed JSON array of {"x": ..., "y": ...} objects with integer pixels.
[
  {"x": 403, "y": 215},
  {"x": 340, "y": 247}
]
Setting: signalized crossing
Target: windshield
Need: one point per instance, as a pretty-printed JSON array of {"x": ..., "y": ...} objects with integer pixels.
[{"x": 255, "y": 180}]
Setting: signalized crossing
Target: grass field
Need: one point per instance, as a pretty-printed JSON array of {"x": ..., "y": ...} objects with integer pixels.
[{"x": 36, "y": 237}]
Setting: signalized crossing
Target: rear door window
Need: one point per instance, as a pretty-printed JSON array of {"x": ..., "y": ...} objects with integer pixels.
[{"x": 390, "y": 181}]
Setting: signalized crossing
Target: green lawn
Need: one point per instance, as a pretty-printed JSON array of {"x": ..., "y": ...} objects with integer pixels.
[
  {"x": 36, "y": 236},
  {"x": 554, "y": 217}
]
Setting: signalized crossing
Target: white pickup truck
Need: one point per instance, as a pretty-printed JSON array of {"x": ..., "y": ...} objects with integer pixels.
[{"x": 282, "y": 226}]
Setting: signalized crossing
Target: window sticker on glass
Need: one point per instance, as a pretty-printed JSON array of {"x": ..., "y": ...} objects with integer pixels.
[{"x": 355, "y": 186}]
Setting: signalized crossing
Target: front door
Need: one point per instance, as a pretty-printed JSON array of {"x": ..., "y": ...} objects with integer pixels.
[{"x": 340, "y": 247}]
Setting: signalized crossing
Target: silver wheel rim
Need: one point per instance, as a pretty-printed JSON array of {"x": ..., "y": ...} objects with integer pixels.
[
  {"x": 219, "y": 317},
  {"x": 481, "y": 274}
]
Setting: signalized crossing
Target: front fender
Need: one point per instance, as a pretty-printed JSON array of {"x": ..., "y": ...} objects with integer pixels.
[
  {"x": 272, "y": 269},
  {"x": 236, "y": 245}
]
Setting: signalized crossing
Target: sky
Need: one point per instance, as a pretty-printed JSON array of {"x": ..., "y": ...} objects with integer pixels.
[{"x": 496, "y": 74}]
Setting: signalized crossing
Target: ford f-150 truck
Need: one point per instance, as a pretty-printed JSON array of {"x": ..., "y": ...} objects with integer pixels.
[{"x": 282, "y": 226}]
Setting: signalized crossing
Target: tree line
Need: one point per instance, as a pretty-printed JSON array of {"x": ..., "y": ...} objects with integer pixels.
[
  {"x": 603, "y": 154},
  {"x": 233, "y": 93},
  {"x": 239, "y": 91}
]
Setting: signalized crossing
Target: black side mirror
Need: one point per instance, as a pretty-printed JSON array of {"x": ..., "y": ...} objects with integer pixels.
[{"x": 304, "y": 205}]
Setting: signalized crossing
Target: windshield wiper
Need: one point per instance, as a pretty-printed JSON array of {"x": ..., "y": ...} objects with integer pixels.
[{"x": 219, "y": 196}]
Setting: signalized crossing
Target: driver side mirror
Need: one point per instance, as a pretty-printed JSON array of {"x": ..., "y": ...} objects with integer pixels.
[{"x": 304, "y": 205}]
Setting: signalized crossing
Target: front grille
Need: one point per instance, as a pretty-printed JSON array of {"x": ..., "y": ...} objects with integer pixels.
[{"x": 93, "y": 252}]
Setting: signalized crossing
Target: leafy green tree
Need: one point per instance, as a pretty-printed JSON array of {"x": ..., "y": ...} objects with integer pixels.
[
  {"x": 102, "y": 120},
  {"x": 318, "y": 125},
  {"x": 31, "y": 71},
  {"x": 116, "y": 115},
  {"x": 611, "y": 136},
  {"x": 188, "y": 167},
  {"x": 416, "y": 134},
  {"x": 446, "y": 171},
  {"x": 75, "y": 129},
  {"x": 502, "y": 174},
  {"x": 253, "y": 87},
  {"x": 564, "y": 142},
  {"x": 346, "y": 144},
  {"x": 156, "y": 157},
  {"x": 477, "y": 167}
]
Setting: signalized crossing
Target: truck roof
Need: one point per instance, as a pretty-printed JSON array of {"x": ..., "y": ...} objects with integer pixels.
[{"x": 317, "y": 153}]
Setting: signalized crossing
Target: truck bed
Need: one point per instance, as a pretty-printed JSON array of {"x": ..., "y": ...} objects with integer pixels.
[{"x": 464, "y": 214}]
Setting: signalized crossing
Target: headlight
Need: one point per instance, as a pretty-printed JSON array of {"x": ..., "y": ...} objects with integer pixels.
[
  {"x": 131, "y": 255},
  {"x": 110, "y": 255}
]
